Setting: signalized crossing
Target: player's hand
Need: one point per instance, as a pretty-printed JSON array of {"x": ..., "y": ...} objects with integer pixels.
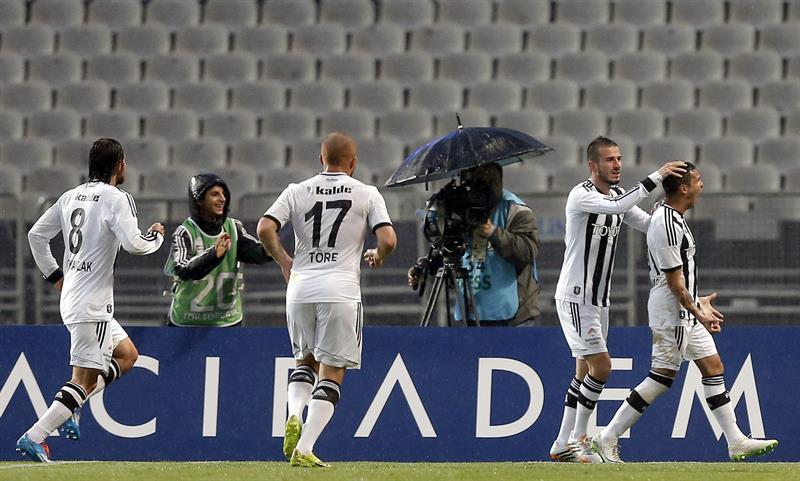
[
  {"x": 710, "y": 316},
  {"x": 222, "y": 245},
  {"x": 413, "y": 277},
  {"x": 59, "y": 284},
  {"x": 157, "y": 227},
  {"x": 286, "y": 268},
  {"x": 372, "y": 258},
  {"x": 676, "y": 168},
  {"x": 486, "y": 230}
]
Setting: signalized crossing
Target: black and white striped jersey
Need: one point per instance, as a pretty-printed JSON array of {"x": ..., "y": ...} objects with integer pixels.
[
  {"x": 594, "y": 220},
  {"x": 670, "y": 246}
]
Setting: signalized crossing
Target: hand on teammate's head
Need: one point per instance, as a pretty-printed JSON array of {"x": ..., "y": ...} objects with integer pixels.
[{"x": 673, "y": 168}]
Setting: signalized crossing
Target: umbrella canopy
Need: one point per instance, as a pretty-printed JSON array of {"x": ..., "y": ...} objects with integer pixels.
[{"x": 465, "y": 148}]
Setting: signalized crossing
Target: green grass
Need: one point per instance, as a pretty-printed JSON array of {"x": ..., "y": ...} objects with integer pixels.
[{"x": 214, "y": 471}]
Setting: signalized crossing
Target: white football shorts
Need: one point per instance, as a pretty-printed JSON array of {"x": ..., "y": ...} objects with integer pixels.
[
  {"x": 585, "y": 327},
  {"x": 92, "y": 343},
  {"x": 331, "y": 331},
  {"x": 674, "y": 344}
]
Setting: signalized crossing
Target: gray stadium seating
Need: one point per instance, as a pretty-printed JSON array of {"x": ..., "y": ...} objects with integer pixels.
[
  {"x": 143, "y": 97},
  {"x": 699, "y": 124},
  {"x": 668, "y": 95},
  {"x": 10, "y": 125},
  {"x": 582, "y": 12},
  {"x": 446, "y": 121},
  {"x": 782, "y": 95},
  {"x": 468, "y": 13},
  {"x": 496, "y": 41},
  {"x": 172, "y": 69},
  {"x": 57, "y": 13},
  {"x": 407, "y": 125},
  {"x": 757, "y": 124},
  {"x": 757, "y": 12},
  {"x": 729, "y": 39},
  {"x": 348, "y": 68},
  {"x": 611, "y": 96},
  {"x": 407, "y": 13},
  {"x": 407, "y": 68},
  {"x": 378, "y": 97},
  {"x": 85, "y": 40},
  {"x": 263, "y": 154},
  {"x": 31, "y": 39},
  {"x": 728, "y": 152},
  {"x": 553, "y": 96},
  {"x": 583, "y": 125},
  {"x": 524, "y": 67},
  {"x": 320, "y": 39},
  {"x": 12, "y": 68},
  {"x": 436, "y": 96},
  {"x": 783, "y": 38},
  {"x": 495, "y": 96},
  {"x": 641, "y": 67},
  {"x": 12, "y": 12},
  {"x": 699, "y": 14},
  {"x": 113, "y": 69},
  {"x": 199, "y": 154},
  {"x": 231, "y": 68},
  {"x": 232, "y": 13},
  {"x": 84, "y": 97},
  {"x": 262, "y": 39},
  {"x": 523, "y": 12},
  {"x": 759, "y": 178},
  {"x": 144, "y": 153},
  {"x": 175, "y": 14},
  {"x": 25, "y": 97},
  {"x": 380, "y": 39},
  {"x": 115, "y": 14},
  {"x": 172, "y": 125},
  {"x": 658, "y": 151},
  {"x": 207, "y": 39},
  {"x": 201, "y": 97},
  {"x": 55, "y": 69},
  {"x": 348, "y": 13},
  {"x": 757, "y": 67},
  {"x": 54, "y": 125},
  {"x": 358, "y": 123},
  {"x": 230, "y": 126},
  {"x": 26, "y": 154},
  {"x": 671, "y": 39},
  {"x": 259, "y": 97},
  {"x": 698, "y": 67},
  {"x": 613, "y": 40},
  {"x": 439, "y": 39},
  {"x": 115, "y": 124},
  {"x": 318, "y": 97},
  {"x": 554, "y": 39},
  {"x": 532, "y": 122},
  {"x": 782, "y": 153},
  {"x": 726, "y": 96},
  {"x": 289, "y": 125},
  {"x": 290, "y": 13},
  {"x": 583, "y": 68},
  {"x": 642, "y": 14},
  {"x": 525, "y": 178},
  {"x": 143, "y": 40}
]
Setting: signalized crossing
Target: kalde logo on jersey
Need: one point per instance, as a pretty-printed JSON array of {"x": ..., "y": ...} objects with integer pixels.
[
  {"x": 604, "y": 230},
  {"x": 333, "y": 190}
]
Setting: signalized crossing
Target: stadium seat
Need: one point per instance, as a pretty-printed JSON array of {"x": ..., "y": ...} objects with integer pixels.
[
  {"x": 289, "y": 67},
  {"x": 757, "y": 12},
  {"x": 727, "y": 96},
  {"x": 319, "y": 39},
  {"x": 12, "y": 68},
  {"x": 408, "y": 125},
  {"x": 793, "y": 123},
  {"x": 783, "y": 153},
  {"x": 729, "y": 39},
  {"x": 670, "y": 39},
  {"x": 113, "y": 69},
  {"x": 175, "y": 14},
  {"x": 439, "y": 39},
  {"x": 469, "y": 13},
  {"x": 84, "y": 97},
  {"x": 32, "y": 39},
  {"x": 715, "y": 207},
  {"x": 583, "y": 68},
  {"x": 171, "y": 125},
  {"x": 727, "y": 152},
  {"x": 582, "y": 12},
  {"x": 566, "y": 153},
  {"x": 145, "y": 153},
  {"x": 263, "y": 154},
  {"x": 611, "y": 96},
  {"x": 495, "y": 96},
  {"x": 304, "y": 152},
  {"x": 553, "y": 96},
  {"x": 436, "y": 96},
  {"x": 167, "y": 182},
  {"x": 261, "y": 40},
  {"x": 380, "y": 39},
  {"x": 25, "y": 97},
  {"x": 54, "y": 125},
  {"x": 55, "y": 69},
  {"x": 377, "y": 97},
  {"x": 757, "y": 124},
  {"x": 639, "y": 13},
  {"x": 582, "y": 125},
  {"x": 781, "y": 95},
  {"x": 639, "y": 124},
  {"x": 668, "y": 95},
  {"x": 614, "y": 40},
  {"x": 200, "y": 154},
  {"x": 525, "y": 178},
  {"x": 207, "y": 39},
  {"x": 445, "y": 122},
  {"x": 523, "y": 12},
  {"x": 755, "y": 179},
  {"x": 712, "y": 177},
  {"x": 289, "y": 125},
  {"x": 793, "y": 180},
  {"x": 348, "y": 68},
  {"x": 74, "y": 153},
  {"x": 259, "y": 97},
  {"x": 143, "y": 40},
  {"x": 143, "y": 97},
  {"x": 381, "y": 153},
  {"x": 781, "y": 38},
  {"x": 230, "y": 126},
  {"x": 532, "y": 122},
  {"x": 241, "y": 180},
  {"x": 524, "y": 67},
  {"x": 85, "y": 40},
  {"x": 172, "y": 69},
  {"x": 355, "y": 122},
  {"x": 633, "y": 173},
  {"x": 319, "y": 97},
  {"x": 567, "y": 177},
  {"x": 57, "y": 13},
  {"x": 232, "y": 14},
  {"x": 700, "y": 124},
  {"x": 407, "y": 68},
  {"x": 496, "y": 41},
  {"x": 10, "y": 125},
  {"x": 627, "y": 147},
  {"x": 641, "y": 67},
  {"x": 407, "y": 13},
  {"x": 115, "y": 14},
  {"x": 276, "y": 181},
  {"x": 699, "y": 14},
  {"x": 12, "y": 12},
  {"x": 658, "y": 151},
  {"x": 757, "y": 68},
  {"x": 114, "y": 124},
  {"x": 201, "y": 97},
  {"x": 26, "y": 154},
  {"x": 781, "y": 207},
  {"x": 231, "y": 68},
  {"x": 554, "y": 39},
  {"x": 289, "y": 13},
  {"x": 794, "y": 66},
  {"x": 698, "y": 67},
  {"x": 347, "y": 13},
  {"x": 51, "y": 181}
]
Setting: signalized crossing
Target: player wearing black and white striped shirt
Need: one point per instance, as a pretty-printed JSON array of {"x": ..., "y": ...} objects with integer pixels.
[
  {"x": 682, "y": 323},
  {"x": 595, "y": 211}
]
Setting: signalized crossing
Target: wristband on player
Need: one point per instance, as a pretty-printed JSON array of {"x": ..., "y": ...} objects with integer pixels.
[{"x": 56, "y": 276}]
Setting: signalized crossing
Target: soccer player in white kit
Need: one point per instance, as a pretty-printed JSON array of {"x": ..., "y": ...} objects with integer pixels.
[
  {"x": 329, "y": 213},
  {"x": 595, "y": 211},
  {"x": 96, "y": 218},
  {"x": 682, "y": 323}
]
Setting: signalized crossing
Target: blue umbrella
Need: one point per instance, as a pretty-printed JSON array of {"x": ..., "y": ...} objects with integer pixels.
[{"x": 465, "y": 148}]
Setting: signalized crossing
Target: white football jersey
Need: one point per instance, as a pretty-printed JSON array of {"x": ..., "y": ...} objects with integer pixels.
[
  {"x": 594, "y": 220},
  {"x": 330, "y": 214},
  {"x": 96, "y": 219},
  {"x": 670, "y": 246}
]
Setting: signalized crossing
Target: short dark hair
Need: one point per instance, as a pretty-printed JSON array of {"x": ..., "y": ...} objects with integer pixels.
[
  {"x": 104, "y": 157},
  {"x": 593, "y": 150},
  {"x": 672, "y": 183}
]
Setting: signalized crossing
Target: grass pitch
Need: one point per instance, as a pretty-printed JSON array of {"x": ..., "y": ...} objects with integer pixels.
[{"x": 347, "y": 471}]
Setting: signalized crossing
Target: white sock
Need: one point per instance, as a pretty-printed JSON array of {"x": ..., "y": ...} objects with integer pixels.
[
  {"x": 320, "y": 411},
  {"x": 69, "y": 397},
  {"x": 301, "y": 383},
  {"x": 720, "y": 403},
  {"x": 589, "y": 394},
  {"x": 568, "y": 419},
  {"x": 640, "y": 398}
]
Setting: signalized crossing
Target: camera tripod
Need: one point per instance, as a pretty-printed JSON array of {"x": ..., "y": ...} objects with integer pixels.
[{"x": 447, "y": 276}]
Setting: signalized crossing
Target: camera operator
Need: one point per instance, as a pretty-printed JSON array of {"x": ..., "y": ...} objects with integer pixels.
[{"x": 505, "y": 284}]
